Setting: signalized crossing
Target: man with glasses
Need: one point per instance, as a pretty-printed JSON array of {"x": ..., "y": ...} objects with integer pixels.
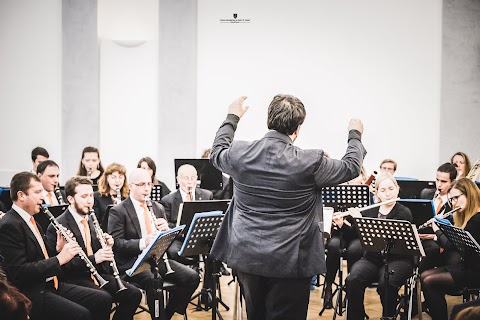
[{"x": 132, "y": 229}]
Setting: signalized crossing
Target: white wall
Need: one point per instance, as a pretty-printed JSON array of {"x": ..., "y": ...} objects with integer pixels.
[
  {"x": 30, "y": 82},
  {"x": 376, "y": 60},
  {"x": 128, "y": 34}
]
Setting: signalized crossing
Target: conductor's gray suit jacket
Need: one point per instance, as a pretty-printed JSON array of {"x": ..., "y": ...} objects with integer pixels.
[{"x": 271, "y": 227}]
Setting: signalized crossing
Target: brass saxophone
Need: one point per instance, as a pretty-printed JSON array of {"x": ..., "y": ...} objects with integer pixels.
[
  {"x": 82, "y": 254},
  {"x": 103, "y": 243},
  {"x": 153, "y": 217}
]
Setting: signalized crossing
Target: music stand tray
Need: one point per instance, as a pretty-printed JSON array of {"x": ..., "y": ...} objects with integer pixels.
[
  {"x": 154, "y": 250},
  {"x": 461, "y": 239},
  {"x": 389, "y": 237},
  {"x": 199, "y": 240}
]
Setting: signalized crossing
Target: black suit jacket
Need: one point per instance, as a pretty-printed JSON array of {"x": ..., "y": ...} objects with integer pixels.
[
  {"x": 100, "y": 205},
  {"x": 172, "y": 202},
  {"x": 24, "y": 262},
  {"x": 124, "y": 227},
  {"x": 75, "y": 269}
]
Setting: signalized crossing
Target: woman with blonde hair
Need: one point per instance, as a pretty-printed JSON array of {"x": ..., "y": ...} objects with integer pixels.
[
  {"x": 463, "y": 194},
  {"x": 113, "y": 179},
  {"x": 370, "y": 268}
]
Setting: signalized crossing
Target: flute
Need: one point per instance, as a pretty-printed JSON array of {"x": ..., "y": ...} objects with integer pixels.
[
  {"x": 440, "y": 215},
  {"x": 344, "y": 214}
]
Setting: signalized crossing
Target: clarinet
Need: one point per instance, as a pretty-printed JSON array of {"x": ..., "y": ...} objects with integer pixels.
[
  {"x": 59, "y": 196},
  {"x": 118, "y": 197},
  {"x": 153, "y": 217},
  {"x": 89, "y": 173},
  {"x": 103, "y": 243},
  {"x": 82, "y": 254}
]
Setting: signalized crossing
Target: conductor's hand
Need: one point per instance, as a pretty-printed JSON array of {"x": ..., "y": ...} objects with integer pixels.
[
  {"x": 69, "y": 251},
  {"x": 162, "y": 224},
  {"x": 355, "y": 124},
  {"x": 105, "y": 254},
  {"x": 237, "y": 107}
]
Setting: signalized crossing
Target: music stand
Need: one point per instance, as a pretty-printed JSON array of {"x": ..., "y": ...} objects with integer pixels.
[
  {"x": 188, "y": 209},
  {"x": 389, "y": 237},
  {"x": 149, "y": 259},
  {"x": 411, "y": 189},
  {"x": 461, "y": 239},
  {"x": 341, "y": 198},
  {"x": 199, "y": 240},
  {"x": 156, "y": 194},
  {"x": 5, "y": 197},
  {"x": 422, "y": 211}
]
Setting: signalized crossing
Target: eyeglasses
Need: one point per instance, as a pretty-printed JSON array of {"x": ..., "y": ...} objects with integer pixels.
[
  {"x": 455, "y": 198},
  {"x": 143, "y": 184}
]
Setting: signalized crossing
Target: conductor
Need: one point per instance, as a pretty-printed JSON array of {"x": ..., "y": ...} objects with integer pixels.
[{"x": 270, "y": 233}]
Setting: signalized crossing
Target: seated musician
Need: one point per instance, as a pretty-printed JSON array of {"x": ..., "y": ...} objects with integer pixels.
[
  {"x": 113, "y": 179},
  {"x": 90, "y": 164},
  {"x": 38, "y": 155},
  {"x": 370, "y": 268},
  {"x": 462, "y": 163},
  {"x": 148, "y": 164},
  {"x": 49, "y": 173},
  {"x": 33, "y": 270},
  {"x": 187, "y": 180},
  {"x": 436, "y": 256},
  {"x": 76, "y": 219},
  {"x": 437, "y": 282},
  {"x": 130, "y": 224},
  {"x": 344, "y": 235}
]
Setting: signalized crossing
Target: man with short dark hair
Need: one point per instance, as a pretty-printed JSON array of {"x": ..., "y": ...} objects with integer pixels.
[
  {"x": 34, "y": 270},
  {"x": 79, "y": 191},
  {"x": 270, "y": 233},
  {"x": 388, "y": 165},
  {"x": 39, "y": 155},
  {"x": 49, "y": 173}
]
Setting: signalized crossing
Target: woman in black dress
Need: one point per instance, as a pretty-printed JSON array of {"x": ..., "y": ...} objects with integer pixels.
[
  {"x": 439, "y": 281},
  {"x": 90, "y": 164}
]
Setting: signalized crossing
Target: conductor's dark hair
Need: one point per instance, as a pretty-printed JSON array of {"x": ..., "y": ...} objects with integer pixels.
[
  {"x": 13, "y": 304},
  {"x": 450, "y": 169},
  {"x": 72, "y": 183},
  {"x": 39, "y": 151},
  {"x": 21, "y": 182},
  {"x": 47, "y": 163},
  {"x": 285, "y": 114}
]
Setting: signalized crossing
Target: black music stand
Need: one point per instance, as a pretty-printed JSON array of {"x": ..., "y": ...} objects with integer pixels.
[
  {"x": 156, "y": 194},
  {"x": 411, "y": 189},
  {"x": 149, "y": 260},
  {"x": 389, "y": 237},
  {"x": 199, "y": 240},
  {"x": 341, "y": 198},
  {"x": 188, "y": 209},
  {"x": 461, "y": 239}
]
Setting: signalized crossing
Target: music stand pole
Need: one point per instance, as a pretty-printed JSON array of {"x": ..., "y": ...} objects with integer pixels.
[{"x": 159, "y": 312}]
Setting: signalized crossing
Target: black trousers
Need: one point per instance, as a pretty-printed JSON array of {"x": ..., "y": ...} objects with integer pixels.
[
  {"x": 275, "y": 298},
  {"x": 73, "y": 302},
  {"x": 184, "y": 277},
  {"x": 353, "y": 253},
  {"x": 365, "y": 272},
  {"x": 128, "y": 300}
]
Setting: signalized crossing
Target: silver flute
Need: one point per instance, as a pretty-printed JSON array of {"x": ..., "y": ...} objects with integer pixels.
[
  {"x": 82, "y": 254},
  {"x": 103, "y": 243},
  {"x": 153, "y": 217},
  {"x": 59, "y": 196},
  {"x": 442, "y": 215}
]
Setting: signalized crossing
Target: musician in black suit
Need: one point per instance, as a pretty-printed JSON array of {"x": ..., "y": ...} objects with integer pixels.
[
  {"x": 270, "y": 233},
  {"x": 3, "y": 209},
  {"x": 370, "y": 268},
  {"x": 112, "y": 179},
  {"x": 76, "y": 218},
  {"x": 435, "y": 256},
  {"x": 49, "y": 173},
  {"x": 131, "y": 226},
  {"x": 33, "y": 270}
]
